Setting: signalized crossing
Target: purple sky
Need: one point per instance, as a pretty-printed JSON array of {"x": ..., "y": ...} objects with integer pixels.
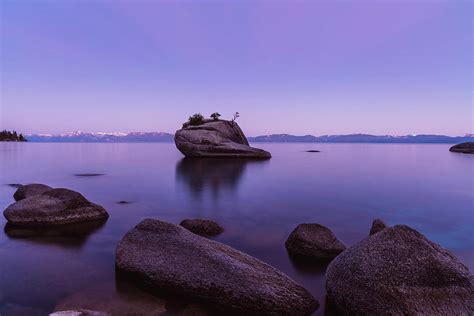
[{"x": 320, "y": 67}]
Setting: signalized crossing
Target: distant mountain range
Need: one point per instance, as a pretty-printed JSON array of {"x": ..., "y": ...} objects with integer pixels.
[
  {"x": 159, "y": 137},
  {"x": 115, "y": 137}
]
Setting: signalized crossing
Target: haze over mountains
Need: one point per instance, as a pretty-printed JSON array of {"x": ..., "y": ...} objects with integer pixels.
[{"x": 161, "y": 137}]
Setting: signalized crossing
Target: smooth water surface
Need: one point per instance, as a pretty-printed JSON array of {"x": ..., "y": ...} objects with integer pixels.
[{"x": 344, "y": 187}]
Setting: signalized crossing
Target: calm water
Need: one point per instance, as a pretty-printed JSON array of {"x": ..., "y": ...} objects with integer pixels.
[{"x": 344, "y": 187}]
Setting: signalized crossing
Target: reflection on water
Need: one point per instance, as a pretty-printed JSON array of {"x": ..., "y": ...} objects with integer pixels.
[
  {"x": 72, "y": 235},
  {"x": 344, "y": 187},
  {"x": 212, "y": 174}
]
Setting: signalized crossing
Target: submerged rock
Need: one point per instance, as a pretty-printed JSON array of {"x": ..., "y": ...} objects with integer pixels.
[
  {"x": 202, "y": 227},
  {"x": 167, "y": 257},
  {"x": 54, "y": 207},
  {"x": 313, "y": 241},
  {"x": 79, "y": 312},
  {"x": 216, "y": 139},
  {"x": 30, "y": 190},
  {"x": 377, "y": 225},
  {"x": 465, "y": 148},
  {"x": 398, "y": 271}
]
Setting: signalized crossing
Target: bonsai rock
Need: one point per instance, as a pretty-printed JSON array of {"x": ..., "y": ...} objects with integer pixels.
[{"x": 216, "y": 139}]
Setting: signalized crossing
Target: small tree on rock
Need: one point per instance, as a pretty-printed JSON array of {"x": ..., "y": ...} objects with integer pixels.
[
  {"x": 196, "y": 119},
  {"x": 215, "y": 116}
]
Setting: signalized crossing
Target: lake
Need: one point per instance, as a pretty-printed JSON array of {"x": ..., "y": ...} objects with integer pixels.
[{"x": 344, "y": 187}]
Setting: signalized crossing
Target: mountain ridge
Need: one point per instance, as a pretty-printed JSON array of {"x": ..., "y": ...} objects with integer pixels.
[{"x": 162, "y": 137}]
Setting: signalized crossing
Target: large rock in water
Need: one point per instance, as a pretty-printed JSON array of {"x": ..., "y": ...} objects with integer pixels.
[
  {"x": 216, "y": 139},
  {"x": 398, "y": 271},
  {"x": 169, "y": 258},
  {"x": 54, "y": 207},
  {"x": 465, "y": 148},
  {"x": 313, "y": 241},
  {"x": 29, "y": 190}
]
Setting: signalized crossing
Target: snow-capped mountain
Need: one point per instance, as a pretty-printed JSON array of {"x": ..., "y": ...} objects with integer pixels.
[
  {"x": 102, "y": 137},
  {"x": 159, "y": 137}
]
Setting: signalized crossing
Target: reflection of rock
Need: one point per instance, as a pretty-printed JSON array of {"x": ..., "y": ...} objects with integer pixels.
[
  {"x": 71, "y": 235},
  {"x": 398, "y": 271},
  {"x": 54, "y": 207},
  {"x": 313, "y": 241},
  {"x": 212, "y": 174},
  {"x": 107, "y": 298},
  {"x": 30, "y": 190},
  {"x": 199, "y": 268},
  {"x": 216, "y": 139},
  {"x": 202, "y": 227}
]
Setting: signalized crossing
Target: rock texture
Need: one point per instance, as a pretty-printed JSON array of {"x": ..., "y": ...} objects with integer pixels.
[
  {"x": 29, "y": 190},
  {"x": 167, "y": 257},
  {"x": 398, "y": 271},
  {"x": 202, "y": 227},
  {"x": 465, "y": 148},
  {"x": 313, "y": 241},
  {"x": 216, "y": 139},
  {"x": 377, "y": 226},
  {"x": 54, "y": 207}
]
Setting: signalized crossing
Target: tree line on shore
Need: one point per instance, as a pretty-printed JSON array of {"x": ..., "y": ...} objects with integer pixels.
[{"x": 7, "y": 136}]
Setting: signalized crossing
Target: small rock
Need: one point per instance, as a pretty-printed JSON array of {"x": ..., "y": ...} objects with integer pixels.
[
  {"x": 54, "y": 207},
  {"x": 79, "y": 312},
  {"x": 124, "y": 202},
  {"x": 167, "y": 257},
  {"x": 313, "y": 241},
  {"x": 15, "y": 185},
  {"x": 313, "y": 151},
  {"x": 398, "y": 271},
  {"x": 202, "y": 227},
  {"x": 377, "y": 225},
  {"x": 88, "y": 174},
  {"x": 465, "y": 148},
  {"x": 29, "y": 190}
]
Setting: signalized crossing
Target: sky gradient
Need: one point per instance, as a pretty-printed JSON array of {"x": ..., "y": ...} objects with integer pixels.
[{"x": 320, "y": 67}]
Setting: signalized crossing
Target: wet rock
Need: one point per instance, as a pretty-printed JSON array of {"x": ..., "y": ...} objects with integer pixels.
[
  {"x": 202, "y": 227},
  {"x": 313, "y": 241},
  {"x": 30, "y": 190},
  {"x": 216, "y": 139},
  {"x": 79, "y": 312},
  {"x": 167, "y": 257},
  {"x": 313, "y": 151},
  {"x": 54, "y": 207},
  {"x": 377, "y": 225},
  {"x": 465, "y": 148},
  {"x": 398, "y": 271}
]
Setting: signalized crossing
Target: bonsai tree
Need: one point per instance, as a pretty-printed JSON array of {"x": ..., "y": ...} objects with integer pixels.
[
  {"x": 196, "y": 119},
  {"x": 215, "y": 116},
  {"x": 236, "y": 115}
]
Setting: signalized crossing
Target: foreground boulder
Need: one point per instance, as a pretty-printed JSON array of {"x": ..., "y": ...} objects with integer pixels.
[
  {"x": 465, "y": 148},
  {"x": 216, "y": 139},
  {"x": 29, "y": 190},
  {"x": 167, "y": 257},
  {"x": 202, "y": 227},
  {"x": 54, "y": 207},
  {"x": 377, "y": 226},
  {"x": 398, "y": 271},
  {"x": 313, "y": 241}
]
